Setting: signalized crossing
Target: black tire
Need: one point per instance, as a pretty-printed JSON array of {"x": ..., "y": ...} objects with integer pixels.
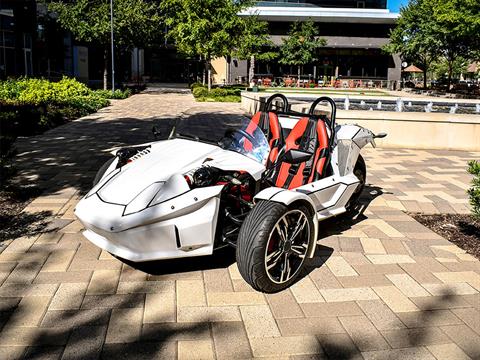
[
  {"x": 256, "y": 233},
  {"x": 102, "y": 171},
  {"x": 360, "y": 171}
]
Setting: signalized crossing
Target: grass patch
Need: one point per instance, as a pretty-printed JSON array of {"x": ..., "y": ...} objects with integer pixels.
[{"x": 217, "y": 94}]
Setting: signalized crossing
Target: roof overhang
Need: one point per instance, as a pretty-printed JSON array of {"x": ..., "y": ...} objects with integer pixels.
[
  {"x": 319, "y": 14},
  {"x": 343, "y": 42}
]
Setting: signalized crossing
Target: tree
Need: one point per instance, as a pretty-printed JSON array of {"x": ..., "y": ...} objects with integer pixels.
[
  {"x": 206, "y": 28},
  {"x": 135, "y": 23},
  {"x": 430, "y": 29},
  {"x": 456, "y": 24},
  {"x": 414, "y": 36},
  {"x": 442, "y": 67},
  {"x": 301, "y": 45},
  {"x": 255, "y": 44}
]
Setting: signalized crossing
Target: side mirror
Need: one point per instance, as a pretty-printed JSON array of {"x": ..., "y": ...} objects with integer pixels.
[
  {"x": 294, "y": 156},
  {"x": 380, "y": 135}
]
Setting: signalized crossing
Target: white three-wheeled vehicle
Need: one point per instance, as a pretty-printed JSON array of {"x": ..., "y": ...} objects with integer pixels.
[{"x": 261, "y": 185}]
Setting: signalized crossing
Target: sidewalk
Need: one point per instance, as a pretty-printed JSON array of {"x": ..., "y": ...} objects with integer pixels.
[{"x": 380, "y": 286}]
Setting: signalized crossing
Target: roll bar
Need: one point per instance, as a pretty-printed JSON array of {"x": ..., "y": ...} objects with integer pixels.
[
  {"x": 269, "y": 102},
  {"x": 286, "y": 111},
  {"x": 332, "y": 105}
]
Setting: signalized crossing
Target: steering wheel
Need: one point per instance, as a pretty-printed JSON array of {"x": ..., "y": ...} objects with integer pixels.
[
  {"x": 229, "y": 133},
  {"x": 247, "y": 135}
]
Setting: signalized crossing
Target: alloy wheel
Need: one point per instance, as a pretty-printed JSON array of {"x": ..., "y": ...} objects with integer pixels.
[{"x": 287, "y": 246}]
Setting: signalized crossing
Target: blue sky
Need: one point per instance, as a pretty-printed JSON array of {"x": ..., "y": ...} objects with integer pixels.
[{"x": 394, "y": 5}]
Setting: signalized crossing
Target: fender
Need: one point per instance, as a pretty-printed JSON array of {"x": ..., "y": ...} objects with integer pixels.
[{"x": 288, "y": 197}]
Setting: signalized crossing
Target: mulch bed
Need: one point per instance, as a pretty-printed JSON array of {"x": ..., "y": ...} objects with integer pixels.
[{"x": 462, "y": 230}]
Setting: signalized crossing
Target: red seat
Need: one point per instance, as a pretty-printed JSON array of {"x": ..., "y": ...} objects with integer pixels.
[
  {"x": 267, "y": 122},
  {"x": 307, "y": 135}
]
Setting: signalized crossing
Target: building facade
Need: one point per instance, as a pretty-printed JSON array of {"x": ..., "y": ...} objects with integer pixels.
[
  {"x": 32, "y": 44},
  {"x": 355, "y": 32}
]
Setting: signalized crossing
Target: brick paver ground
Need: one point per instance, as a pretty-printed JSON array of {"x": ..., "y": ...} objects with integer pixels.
[{"x": 381, "y": 286}]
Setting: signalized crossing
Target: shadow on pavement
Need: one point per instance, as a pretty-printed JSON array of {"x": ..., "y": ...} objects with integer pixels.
[
  {"x": 338, "y": 224},
  {"x": 221, "y": 258}
]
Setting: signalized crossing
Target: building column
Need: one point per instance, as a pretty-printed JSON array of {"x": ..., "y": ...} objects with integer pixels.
[
  {"x": 394, "y": 73},
  {"x": 138, "y": 64}
]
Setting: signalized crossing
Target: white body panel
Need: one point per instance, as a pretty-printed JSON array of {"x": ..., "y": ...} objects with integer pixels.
[{"x": 145, "y": 210}]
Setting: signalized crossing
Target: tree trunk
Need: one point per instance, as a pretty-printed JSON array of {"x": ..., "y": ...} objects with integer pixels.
[
  {"x": 425, "y": 77},
  {"x": 450, "y": 71},
  {"x": 251, "y": 73},
  {"x": 251, "y": 70},
  {"x": 298, "y": 80},
  {"x": 203, "y": 72},
  {"x": 105, "y": 67},
  {"x": 209, "y": 74}
]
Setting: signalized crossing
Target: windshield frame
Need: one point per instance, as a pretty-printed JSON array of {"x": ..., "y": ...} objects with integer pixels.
[{"x": 258, "y": 142}]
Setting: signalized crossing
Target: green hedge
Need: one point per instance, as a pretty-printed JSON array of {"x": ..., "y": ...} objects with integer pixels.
[
  {"x": 220, "y": 94},
  {"x": 40, "y": 92},
  {"x": 117, "y": 94},
  {"x": 30, "y": 106}
]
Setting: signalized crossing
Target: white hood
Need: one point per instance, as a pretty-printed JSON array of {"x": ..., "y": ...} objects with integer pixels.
[{"x": 171, "y": 157}]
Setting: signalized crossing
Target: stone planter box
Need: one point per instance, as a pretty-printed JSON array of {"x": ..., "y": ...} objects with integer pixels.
[{"x": 413, "y": 130}]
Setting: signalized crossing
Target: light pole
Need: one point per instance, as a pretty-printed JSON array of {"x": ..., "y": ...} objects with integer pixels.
[{"x": 112, "y": 45}]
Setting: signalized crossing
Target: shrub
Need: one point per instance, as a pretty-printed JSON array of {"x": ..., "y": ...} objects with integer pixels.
[
  {"x": 474, "y": 191},
  {"x": 117, "y": 94},
  {"x": 65, "y": 93},
  {"x": 195, "y": 85},
  {"x": 30, "y": 106},
  {"x": 200, "y": 91},
  {"x": 218, "y": 92}
]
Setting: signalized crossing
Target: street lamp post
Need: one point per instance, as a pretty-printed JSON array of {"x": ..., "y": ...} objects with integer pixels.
[{"x": 112, "y": 45}]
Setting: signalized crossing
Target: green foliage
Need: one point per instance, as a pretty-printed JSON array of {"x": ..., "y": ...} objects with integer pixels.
[
  {"x": 224, "y": 94},
  {"x": 474, "y": 191},
  {"x": 200, "y": 91},
  {"x": 255, "y": 41},
  {"x": 195, "y": 85},
  {"x": 301, "y": 45},
  {"x": 209, "y": 28},
  {"x": 414, "y": 37},
  {"x": 441, "y": 67},
  {"x": 136, "y": 22},
  {"x": 117, "y": 94},
  {"x": 40, "y": 92},
  {"x": 30, "y": 106},
  {"x": 205, "y": 28},
  {"x": 431, "y": 29}
]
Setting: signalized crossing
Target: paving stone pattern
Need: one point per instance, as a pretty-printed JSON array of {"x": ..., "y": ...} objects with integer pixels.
[{"x": 380, "y": 286}]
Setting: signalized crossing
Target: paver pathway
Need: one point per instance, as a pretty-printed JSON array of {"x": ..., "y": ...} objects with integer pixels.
[{"x": 381, "y": 286}]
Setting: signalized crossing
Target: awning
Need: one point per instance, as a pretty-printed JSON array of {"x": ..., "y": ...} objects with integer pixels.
[{"x": 412, "y": 68}]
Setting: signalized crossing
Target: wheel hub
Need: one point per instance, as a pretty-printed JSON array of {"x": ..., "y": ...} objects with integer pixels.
[{"x": 287, "y": 246}]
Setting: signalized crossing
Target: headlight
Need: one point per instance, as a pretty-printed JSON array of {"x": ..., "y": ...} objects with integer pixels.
[
  {"x": 157, "y": 193},
  {"x": 142, "y": 200}
]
